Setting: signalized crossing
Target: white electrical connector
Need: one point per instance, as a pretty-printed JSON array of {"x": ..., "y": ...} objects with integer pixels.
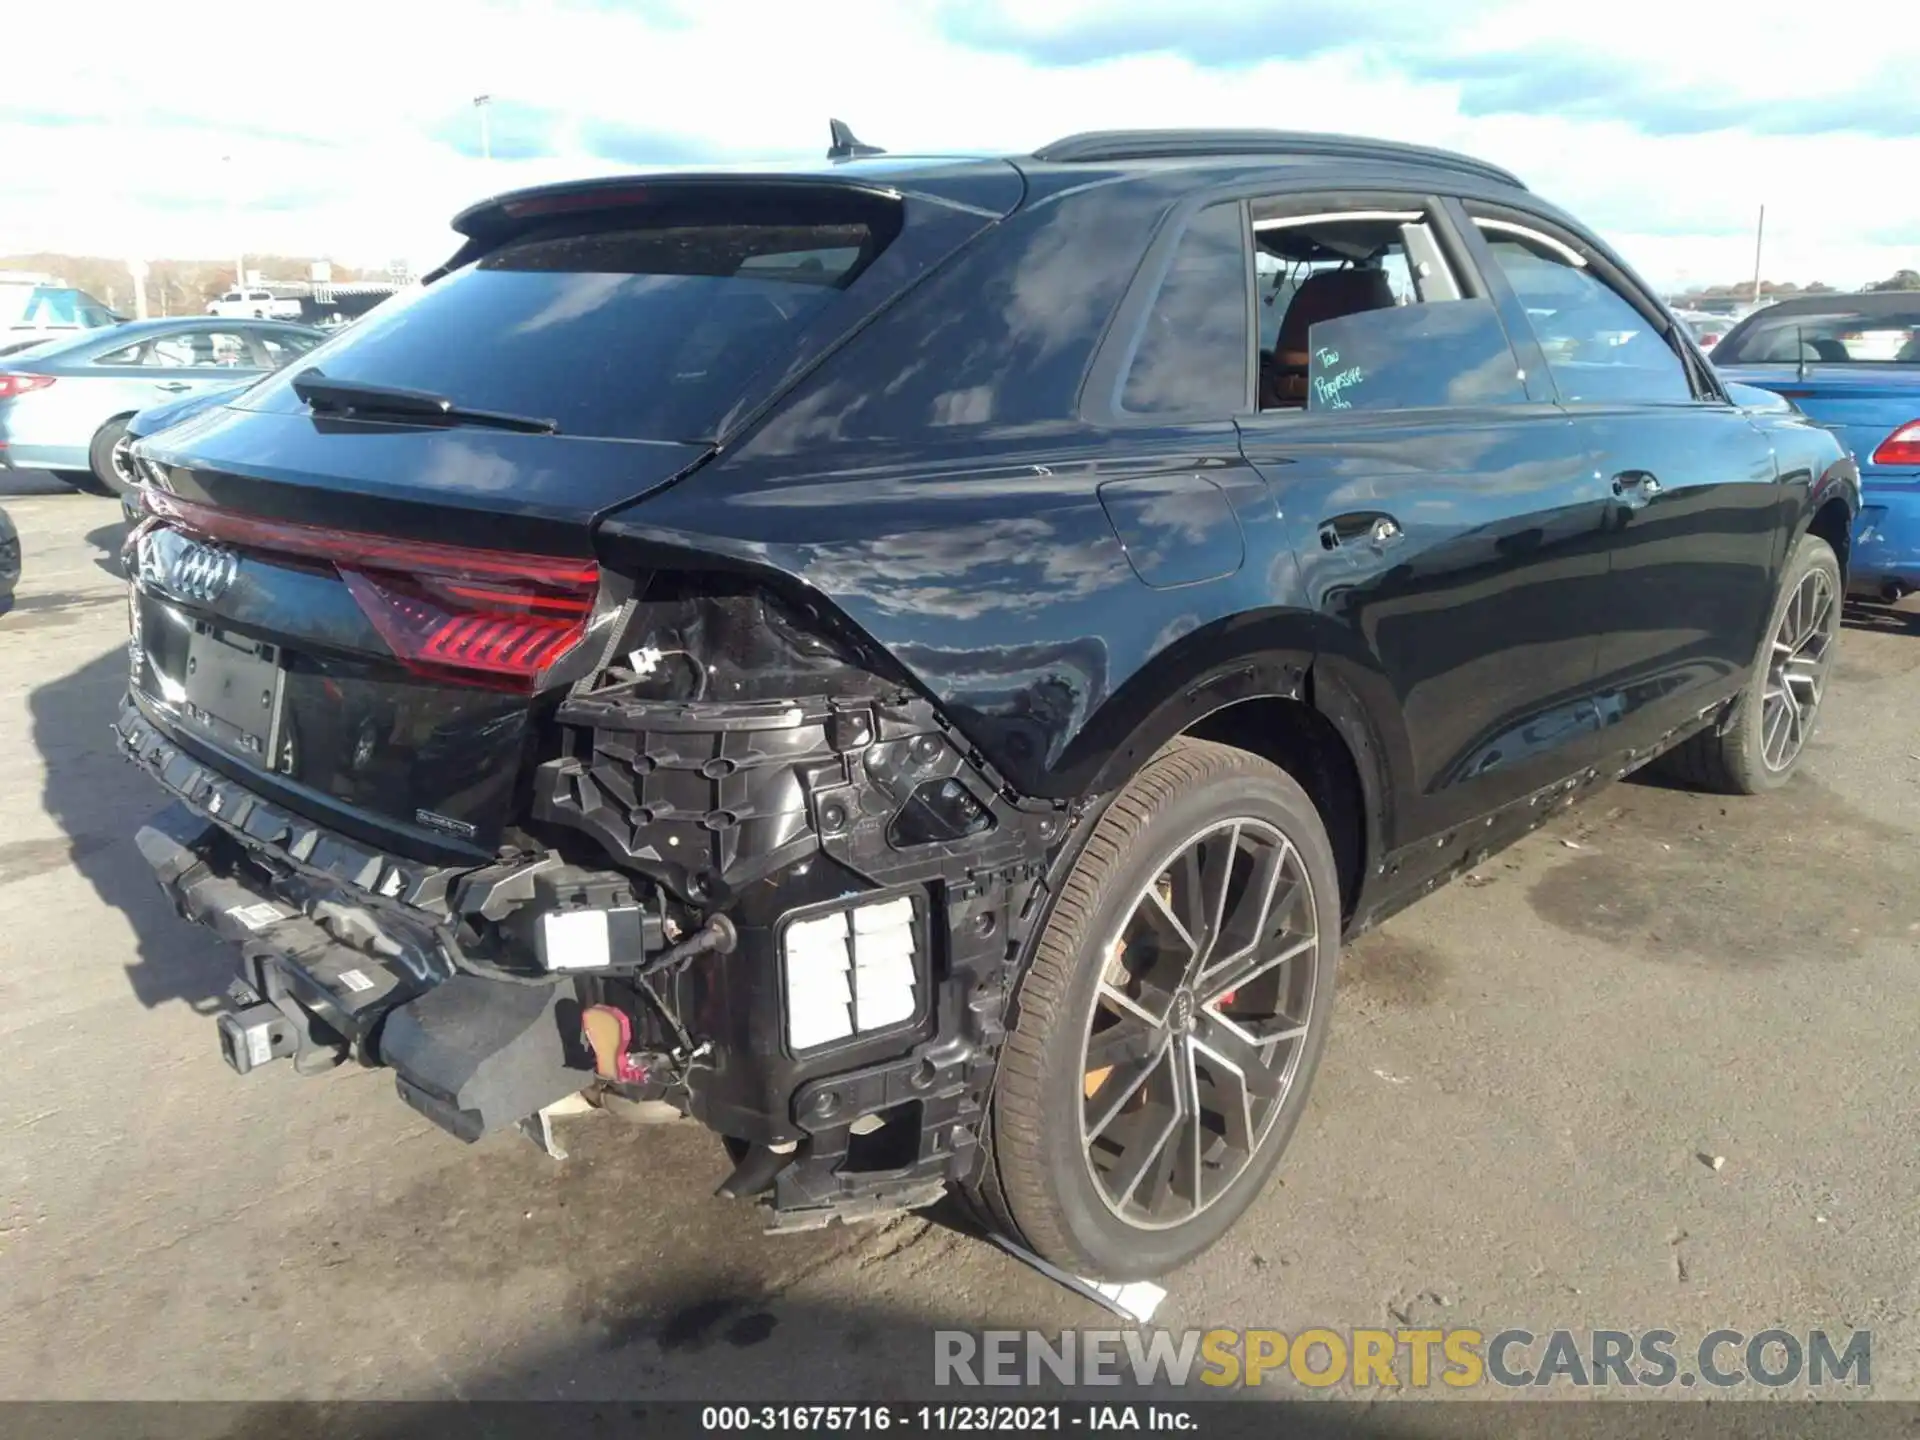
[
  {"x": 645, "y": 660},
  {"x": 575, "y": 940}
]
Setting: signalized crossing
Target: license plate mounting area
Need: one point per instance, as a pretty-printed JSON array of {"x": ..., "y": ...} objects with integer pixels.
[{"x": 233, "y": 688}]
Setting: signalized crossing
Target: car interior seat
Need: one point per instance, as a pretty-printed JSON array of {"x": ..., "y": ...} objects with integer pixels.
[{"x": 1328, "y": 295}]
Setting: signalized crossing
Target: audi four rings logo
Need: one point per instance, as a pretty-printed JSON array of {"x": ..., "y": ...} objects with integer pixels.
[{"x": 199, "y": 572}]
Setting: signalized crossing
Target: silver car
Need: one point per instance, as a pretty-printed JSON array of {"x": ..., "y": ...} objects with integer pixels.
[{"x": 65, "y": 405}]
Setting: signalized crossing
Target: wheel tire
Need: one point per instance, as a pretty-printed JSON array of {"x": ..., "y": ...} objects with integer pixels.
[
  {"x": 1733, "y": 761},
  {"x": 1040, "y": 1185},
  {"x": 106, "y": 479}
]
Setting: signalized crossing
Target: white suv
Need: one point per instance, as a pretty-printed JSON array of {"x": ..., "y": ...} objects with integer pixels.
[{"x": 254, "y": 305}]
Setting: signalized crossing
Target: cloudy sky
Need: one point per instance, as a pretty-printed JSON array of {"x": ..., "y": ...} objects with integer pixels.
[{"x": 348, "y": 127}]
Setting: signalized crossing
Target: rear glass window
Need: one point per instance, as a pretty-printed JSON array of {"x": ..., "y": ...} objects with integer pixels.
[
  {"x": 1837, "y": 337},
  {"x": 644, "y": 333}
]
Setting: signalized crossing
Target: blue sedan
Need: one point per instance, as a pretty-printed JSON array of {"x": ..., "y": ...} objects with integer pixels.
[
  {"x": 1852, "y": 362},
  {"x": 64, "y": 406}
]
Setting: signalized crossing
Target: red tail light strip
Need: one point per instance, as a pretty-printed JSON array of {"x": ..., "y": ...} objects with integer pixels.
[
  {"x": 372, "y": 552},
  {"x": 1902, "y": 447},
  {"x": 481, "y": 617}
]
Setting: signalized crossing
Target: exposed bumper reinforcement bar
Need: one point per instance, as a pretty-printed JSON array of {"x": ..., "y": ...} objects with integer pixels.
[{"x": 473, "y": 1055}]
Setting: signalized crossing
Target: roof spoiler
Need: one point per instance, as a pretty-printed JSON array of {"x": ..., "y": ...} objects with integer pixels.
[{"x": 493, "y": 222}]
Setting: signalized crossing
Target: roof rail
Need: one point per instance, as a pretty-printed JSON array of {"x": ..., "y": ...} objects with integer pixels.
[{"x": 1097, "y": 145}]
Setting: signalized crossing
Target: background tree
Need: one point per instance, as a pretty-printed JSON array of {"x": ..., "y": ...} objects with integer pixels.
[{"x": 1899, "y": 280}]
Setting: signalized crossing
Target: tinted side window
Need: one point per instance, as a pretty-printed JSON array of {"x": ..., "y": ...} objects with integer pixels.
[
  {"x": 125, "y": 355},
  {"x": 280, "y": 348},
  {"x": 1279, "y": 280},
  {"x": 1452, "y": 352},
  {"x": 1360, "y": 311},
  {"x": 1598, "y": 347},
  {"x": 1194, "y": 350},
  {"x": 201, "y": 349}
]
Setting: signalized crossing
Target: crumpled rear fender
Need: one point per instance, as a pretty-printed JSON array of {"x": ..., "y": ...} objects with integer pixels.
[{"x": 1007, "y": 598}]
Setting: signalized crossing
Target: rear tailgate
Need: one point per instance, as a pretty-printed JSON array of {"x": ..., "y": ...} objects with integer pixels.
[
  {"x": 365, "y": 613},
  {"x": 464, "y": 485}
]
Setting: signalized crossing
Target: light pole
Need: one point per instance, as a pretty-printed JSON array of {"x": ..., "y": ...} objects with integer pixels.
[
  {"x": 239, "y": 259},
  {"x": 480, "y": 103}
]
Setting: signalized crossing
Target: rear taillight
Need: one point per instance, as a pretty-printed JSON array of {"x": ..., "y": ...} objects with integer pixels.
[
  {"x": 500, "y": 630},
  {"x": 1902, "y": 447},
  {"x": 13, "y": 383},
  {"x": 488, "y": 617}
]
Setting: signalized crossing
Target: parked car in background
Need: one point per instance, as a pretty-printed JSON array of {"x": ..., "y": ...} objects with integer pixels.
[
  {"x": 65, "y": 406},
  {"x": 1707, "y": 328},
  {"x": 254, "y": 305},
  {"x": 9, "y": 560},
  {"x": 151, "y": 421},
  {"x": 1852, "y": 362},
  {"x": 31, "y": 315},
  {"x": 895, "y": 662}
]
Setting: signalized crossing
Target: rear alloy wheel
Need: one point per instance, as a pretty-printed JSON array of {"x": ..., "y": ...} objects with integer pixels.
[
  {"x": 109, "y": 459},
  {"x": 1797, "y": 664},
  {"x": 1762, "y": 744},
  {"x": 1173, "y": 1017}
]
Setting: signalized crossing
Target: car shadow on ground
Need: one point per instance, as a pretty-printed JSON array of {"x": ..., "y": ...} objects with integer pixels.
[
  {"x": 100, "y": 801},
  {"x": 1887, "y": 619},
  {"x": 106, "y": 541},
  {"x": 17, "y": 483}
]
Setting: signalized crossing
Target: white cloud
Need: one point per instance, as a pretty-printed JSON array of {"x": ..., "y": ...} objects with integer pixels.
[{"x": 348, "y": 140}]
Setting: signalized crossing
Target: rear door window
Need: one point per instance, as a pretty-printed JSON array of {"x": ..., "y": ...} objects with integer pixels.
[
  {"x": 278, "y": 348},
  {"x": 193, "y": 349},
  {"x": 1192, "y": 355},
  {"x": 1599, "y": 347},
  {"x": 1360, "y": 310},
  {"x": 636, "y": 331}
]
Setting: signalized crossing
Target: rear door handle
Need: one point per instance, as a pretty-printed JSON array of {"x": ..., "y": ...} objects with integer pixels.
[
  {"x": 1369, "y": 526},
  {"x": 174, "y": 387},
  {"x": 1636, "y": 487}
]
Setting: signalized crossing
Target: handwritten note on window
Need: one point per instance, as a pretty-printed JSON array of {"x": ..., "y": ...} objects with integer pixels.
[{"x": 1332, "y": 382}]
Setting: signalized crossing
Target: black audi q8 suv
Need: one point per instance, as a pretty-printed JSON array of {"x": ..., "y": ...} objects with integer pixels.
[{"x": 918, "y": 663}]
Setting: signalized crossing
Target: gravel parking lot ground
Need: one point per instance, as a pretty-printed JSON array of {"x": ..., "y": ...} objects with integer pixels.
[{"x": 1525, "y": 1074}]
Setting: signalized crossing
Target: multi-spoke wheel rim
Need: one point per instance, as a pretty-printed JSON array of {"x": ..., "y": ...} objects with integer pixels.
[
  {"x": 122, "y": 461},
  {"x": 1198, "y": 1024},
  {"x": 1797, "y": 669}
]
